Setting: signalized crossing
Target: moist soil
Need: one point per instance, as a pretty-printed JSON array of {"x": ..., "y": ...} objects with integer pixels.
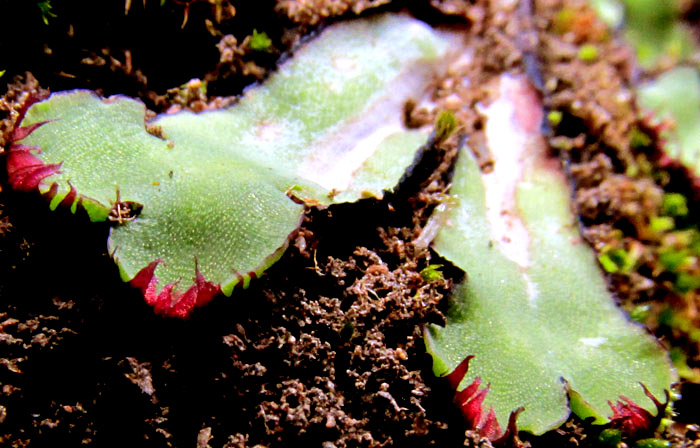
[{"x": 326, "y": 348}]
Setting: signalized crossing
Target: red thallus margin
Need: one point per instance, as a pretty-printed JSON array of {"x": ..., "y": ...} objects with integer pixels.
[
  {"x": 26, "y": 172},
  {"x": 168, "y": 302},
  {"x": 470, "y": 400},
  {"x": 628, "y": 416},
  {"x": 634, "y": 420}
]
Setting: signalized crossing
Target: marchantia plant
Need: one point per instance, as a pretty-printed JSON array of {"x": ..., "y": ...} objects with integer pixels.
[
  {"x": 207, "y": 202},
  {"x": 534, "y": 320}
]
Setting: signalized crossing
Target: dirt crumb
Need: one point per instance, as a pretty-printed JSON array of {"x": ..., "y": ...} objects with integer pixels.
[
  {"x": 311, "y": 12},
  {"x": 204, "y": 437},
  {"x": 141, "y": 376}
]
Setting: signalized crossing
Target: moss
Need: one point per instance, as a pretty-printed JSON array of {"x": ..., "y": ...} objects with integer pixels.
[
  {"x": 260, "y": 41},
  {"x": 554, "y": 117},
  {"x": 588, "y": 53},
  {"x": 674, "y": 204}
]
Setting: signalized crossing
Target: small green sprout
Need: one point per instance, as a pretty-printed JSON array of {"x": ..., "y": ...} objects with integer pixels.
[
  {"x": 554, "y": 117},
  {"x": 610, "y": 437},
  {"x": 260, "y": 41},
  {"x": 632, "y": 170},
  {"x": 674, "y": 204},
  {"x": 668, "y": 318},
  {"x": 348, "y": 331},
  {"x": 639, "y": 139},
  {"x": 127, "y": 5},
  {"x": 660, "y": 224},
  {"x": 686, "y": 282},
  {"x": 45, "y": 8},
  {"x": 431, "y": 273},
  {"x": 616, "y": 260},
  {"x": 680, "y": 362},
  {"x": 640, "y": 313},
  {"x": 675, "y": 260},
  {"x": 445, "y": 125},
  {"x": 588, "y": 53}
]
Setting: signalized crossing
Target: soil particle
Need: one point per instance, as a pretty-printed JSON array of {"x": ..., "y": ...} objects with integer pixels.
[
  {"x": 617, "y": 196},
  {"x": 115, "y": 64},
  {"x": 356, "y": 357},
  {"x": 462, "y": 8},
  {"x": 233, "y": 57},
  {"x": 141, "y": 376},
  {"x": 204, "y": 437},
  {"x": 312, "y": 12},
  {"x": 5, "y": 225}
]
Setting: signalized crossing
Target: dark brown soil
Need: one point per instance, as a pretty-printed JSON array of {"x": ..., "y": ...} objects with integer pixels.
[
  {"x": 311, "y": 353},
  {"x": 326, "y": 348}
]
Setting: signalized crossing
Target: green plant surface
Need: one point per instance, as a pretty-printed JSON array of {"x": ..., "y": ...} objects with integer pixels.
[
  {"x": 661, "y": 41},
  {"x": 534, "y": 310},
  {"x": 675, "y": 96},
  {"x": 215, "y": 190},
  {"x": 653, "y": 27}
]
